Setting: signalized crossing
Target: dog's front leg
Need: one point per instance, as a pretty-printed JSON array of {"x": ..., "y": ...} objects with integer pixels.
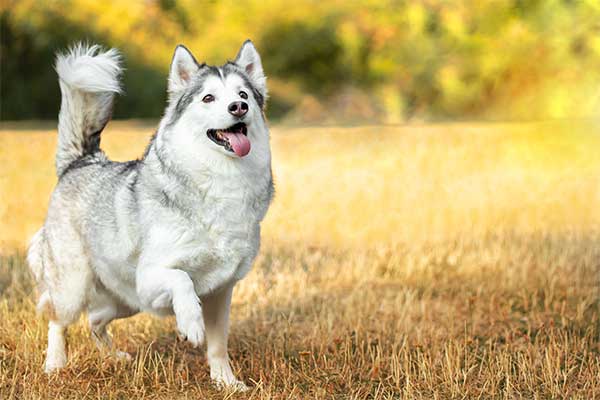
[
  {"x": 160, "y": 288},
  {"x": 216, "y": 319}
]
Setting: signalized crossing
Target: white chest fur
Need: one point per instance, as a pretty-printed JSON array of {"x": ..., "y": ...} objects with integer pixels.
[{"x": 225, "y": 227}]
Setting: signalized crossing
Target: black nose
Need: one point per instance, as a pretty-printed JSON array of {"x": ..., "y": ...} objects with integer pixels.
[{"x": 238, "y": 108}]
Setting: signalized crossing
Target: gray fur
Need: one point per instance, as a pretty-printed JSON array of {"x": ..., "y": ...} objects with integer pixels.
[{"x": 158, "y": 234}]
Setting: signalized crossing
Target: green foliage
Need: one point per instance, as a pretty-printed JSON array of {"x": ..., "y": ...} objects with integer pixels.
[
  {"x": 310, "y": 55},
  {"x": 29, "y": 88},
  {"x": 28, "y": 81},
  {"x": 389, "y": 60}
]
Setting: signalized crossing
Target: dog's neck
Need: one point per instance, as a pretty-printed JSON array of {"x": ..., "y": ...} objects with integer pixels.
[{"x": 187, "y": 186}]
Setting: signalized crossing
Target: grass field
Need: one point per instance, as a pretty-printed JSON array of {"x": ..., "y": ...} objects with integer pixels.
[{"x": 435, "y": 261}]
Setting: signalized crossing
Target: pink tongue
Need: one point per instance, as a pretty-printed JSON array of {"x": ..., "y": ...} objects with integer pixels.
[{"x": 239, "y": 142}]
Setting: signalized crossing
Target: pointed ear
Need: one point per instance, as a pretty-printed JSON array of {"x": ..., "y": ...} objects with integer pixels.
[
  {"x": 183, "y": 67},
  {"x": 249, "y": 60}
]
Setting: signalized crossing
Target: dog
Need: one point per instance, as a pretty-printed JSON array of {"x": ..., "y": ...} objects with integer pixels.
[{"x": 169, "y": 233}]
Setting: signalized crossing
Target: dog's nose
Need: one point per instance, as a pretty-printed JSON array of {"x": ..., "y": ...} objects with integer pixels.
[{"x": 238, "y": 108}]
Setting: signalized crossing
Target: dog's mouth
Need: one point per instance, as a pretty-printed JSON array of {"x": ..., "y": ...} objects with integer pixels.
[{"x": 233, "y": 139}]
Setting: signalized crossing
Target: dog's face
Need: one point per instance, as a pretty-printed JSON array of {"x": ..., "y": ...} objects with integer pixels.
[{"x": 217, "y": 109}]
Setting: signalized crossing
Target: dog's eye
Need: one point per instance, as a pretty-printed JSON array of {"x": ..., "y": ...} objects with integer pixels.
[
  {"x": 243, "y": 95},
  {"x": 209, "y": 98}
]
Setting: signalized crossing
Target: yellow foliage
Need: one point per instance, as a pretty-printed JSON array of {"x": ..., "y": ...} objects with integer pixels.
[{"x": 492, "y": 59}]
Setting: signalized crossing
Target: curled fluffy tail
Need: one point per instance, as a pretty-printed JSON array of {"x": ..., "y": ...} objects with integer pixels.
[{"x": 88, "y": 81}]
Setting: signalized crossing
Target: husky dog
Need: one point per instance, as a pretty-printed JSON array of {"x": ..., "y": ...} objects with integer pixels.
[{"x": 170, "y": 233}]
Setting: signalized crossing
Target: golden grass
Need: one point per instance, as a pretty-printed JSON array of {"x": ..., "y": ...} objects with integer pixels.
[{"x": 435, "y": 261}]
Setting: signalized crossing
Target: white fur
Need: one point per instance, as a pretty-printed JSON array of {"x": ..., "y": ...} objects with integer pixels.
[
  {"x": 56, "y": 354},
  {"x": 157, "y": 259},
  {"x": 249, "y": 59},
  {"x": 88, "y": 81},
  {"x": 183, "y": 66},
  {"x": 86, "y": 68},
  {"x": 182, "y": 259}
]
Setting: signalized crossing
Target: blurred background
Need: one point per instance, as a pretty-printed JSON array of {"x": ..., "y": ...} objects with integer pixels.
[
  {"x": 436, "y": 229},
  {"x": 327, "y": 61}
]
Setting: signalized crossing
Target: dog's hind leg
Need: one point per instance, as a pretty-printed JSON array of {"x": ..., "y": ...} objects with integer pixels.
[
  {"x": 67, "y": 277},
  {"x": 56, "y": 354},
  {"x": 102, "y": 309},
  {"x": 46, "y": 274}
]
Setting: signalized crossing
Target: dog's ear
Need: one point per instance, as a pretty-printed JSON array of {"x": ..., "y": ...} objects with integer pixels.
[
  {"x": 183, "y": 67},
  {"x": 249, "y": 60}
]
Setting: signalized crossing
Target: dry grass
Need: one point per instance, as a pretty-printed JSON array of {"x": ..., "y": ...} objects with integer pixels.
[{"x": 444, "y": 261}]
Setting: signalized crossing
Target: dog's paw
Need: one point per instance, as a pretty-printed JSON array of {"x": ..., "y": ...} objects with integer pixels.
[
  {"x": 234, "y": 386},
  {"x": 222, "y": 376},
  {"x": 123, "y": 356},
  {"x": 192, "y": 331},
  {"x": 53, "y": 364}
]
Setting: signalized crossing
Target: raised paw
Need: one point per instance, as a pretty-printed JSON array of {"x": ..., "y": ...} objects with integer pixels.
[{"x": 193, "y": 332}]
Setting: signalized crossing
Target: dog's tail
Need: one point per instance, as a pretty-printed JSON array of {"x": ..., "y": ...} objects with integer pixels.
[{"x": 89, "y": 79}]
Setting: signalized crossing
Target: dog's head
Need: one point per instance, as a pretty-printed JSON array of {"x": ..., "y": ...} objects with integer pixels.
[{"x": 216, "y": 109}]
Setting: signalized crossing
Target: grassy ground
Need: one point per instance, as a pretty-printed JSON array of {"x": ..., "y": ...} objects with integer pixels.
[{"x": 442, "y": 261}]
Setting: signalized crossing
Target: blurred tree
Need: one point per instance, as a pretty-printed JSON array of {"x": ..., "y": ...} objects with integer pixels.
[
  {"x": 28, "y": 82},
  {"x": 311, "y": 55},
  {"x": 406, "y": 59}
]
